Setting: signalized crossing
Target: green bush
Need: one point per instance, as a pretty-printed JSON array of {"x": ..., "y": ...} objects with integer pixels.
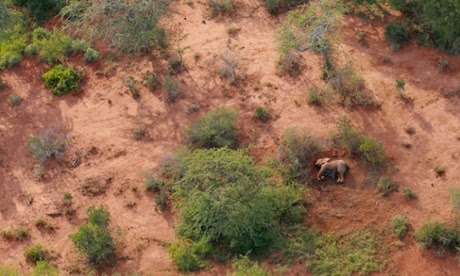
[
  {"x": 53, "y": 47},
  {"x": 261, "y": 114},
  {"x": 13, "y": 40},
  {"x": 31, "y": 50},
  {"x": 345, "y": 136},
  {"x": 151, "y": 80},
  {"x": 37, "y": 253},
  {"x": 226, "y": 199},
  {"x": 400, "y": 225},
  {"x": 46, "y": 146},
  {"x": 45, "y": 269},
  {"x": 438, "y": 235},
  {"x": 15, "y": 99},
  {"x": 62, "y": 79},
  {"x": 315, "y": 97},
  {"x": 153, "y": 183},
  {"x": 130, "y": 26},
  {"x": 41, "y": 10},
  {"x": 184, "y": 255},
  {"x": 98, "y": 216},
  {"x": 372, "y": 152},
  {"x": 91, "y": 55},
  {"x": 396, "y": 32},
  {"x": 409, "y": 194},
  {"x": 245, "y": 267},
  {"x": 386, "y": 185},
  {"x": 94, "y": 239},
  {"x": 214, "y": 130},
  {"x": 277, "y": 6},
  {"x": 80, "y": 46}
]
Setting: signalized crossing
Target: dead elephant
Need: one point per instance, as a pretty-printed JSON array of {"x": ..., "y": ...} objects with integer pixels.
[{"x": 333, "y": 169}]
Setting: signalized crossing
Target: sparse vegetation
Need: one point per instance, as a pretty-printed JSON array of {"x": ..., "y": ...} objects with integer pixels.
[
  {"x": 400, "y": 225},
  {"x": 56, "y": 46},
  {"x": 277, "y": 6},
  {"x": 62, "y": 79},
  {"x": 21, "y": 233},
  {"x": 39, "y": 172},
  {"x": 455, "y": 197},
  {"x": 261, "y": 114},
  {"x": 440, "y": 171},
  {"x": 43, "y": 268},
  {"x": 245, "y": 267},
  {"x": 151, "y": 81},
  {"x": 409, "y": 194},
  {"x": 48, "y": 145},
  {"x": 315, "y": 97},
  {"x": 229, "y": 66},
  {"x": 42, "y": 223},
  {"x": 94, "y": 240},
  {"x": 438, "y": 235},
  {"x": 91, "y": 55},
  {"x": 386, "y": 185},
  {"x": 139, "y": 132},
  {"x": 15, "y": 99},
  {"x": 219, "y": 7},
  {"x": 132, "y": 85},
  {"x": 214, "y": 130}
]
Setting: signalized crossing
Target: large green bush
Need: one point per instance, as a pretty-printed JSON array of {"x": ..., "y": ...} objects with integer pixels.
[
  {"x": 94, "y": 239},
  {"x": 130, "y": 26},
  {"x": 13, "y": 39},
  {"x": 62, "y": 79},
  {"x": 224, "y": 198},
  {"x": 396, "y": 32},
  {"x": 215, "y": 129},
  {"x": 41, "y": 10},
  {"x": 56, "y": 46}
]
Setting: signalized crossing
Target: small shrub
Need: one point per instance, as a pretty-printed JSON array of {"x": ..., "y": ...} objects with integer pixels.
[
  {"x": 170, "y": 85},
  {"x": 410, "y": 130},
  {"x": 94, "y": 240},
  {"x": 232, "y": 30},
  {"x": 91, "y": 55},
  {"x": 439, "y": 170},
  {"x": 94, "y": 186},
  {"x": 221, "y": 6},
  {"x": 176, "y": 65},
  {"x": 315, "y": 97},
  {"x": 42, "y": 223},
  {"x": 44, "y": 269},
  {"x": 194, "y": 107},
  {"x": 37, "y": 253},
  {"x": 455, "y": 197},
  {"x": 68, "y": 197},
  {"x": 440, "y": 235},
  {"x": 98, "y": 216},
  {"x": 400, "y": 83},
  {"x": 261, "y": 114},
  {"x": 31, "y": 50},
  {"x": 386, "y": 186},
  {"x": 139, "y": 132},
  {"x": 396, "y": 32},
  {"x": 82, "y": 46},
  {"x": 183, "y": 255},
  {"x": 21, "y": 233},
  {"x": 400, "y": 225},
  {"x": 131, "y": 83},
  {"x": 7, "y": 233},
  {"x": 345, "y": 136},
  {"x": 151, "y": 80},
  {"x": 214, "y": 130},
  {"x": 372, "y": 152},
  {"x": 196, "y": 56},
  {"x": 277, "y": 6},
  {"x": 46, "y": 146},
  {"x": 15, "y": 99},
  {"x": 161, "y": 199},
  {"x": 39, "y": 172},
  {"x": 443, "y": 64},
  {"x": 409, "y": 194},
  {"x": 62, "y": 79},
  {"x": 153, "y": 183},
  {"x": 228, "y": 67}
]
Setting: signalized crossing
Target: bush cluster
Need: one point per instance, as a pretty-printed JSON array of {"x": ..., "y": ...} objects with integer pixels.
[
  {"x": 62, "y": 79},
  {"x": 400, "y": 225},
  {"x": 214, "y": 130},
  {"x": 227, "y": 204},
  {"x": 37, "y": 253},
  {"x": 434, "y": 234},
  {"x": 94, "y": 239}
]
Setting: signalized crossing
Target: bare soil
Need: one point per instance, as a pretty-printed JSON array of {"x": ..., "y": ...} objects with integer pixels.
[{"x": 99, "y": 119}]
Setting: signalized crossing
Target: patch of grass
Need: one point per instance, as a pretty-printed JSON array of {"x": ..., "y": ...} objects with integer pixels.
[
  {"x": 151, "y": 81},
  {"x": 15, "y": 99},
  {"x": 48, "y": 145},
  {"x": 386, "y": 186},
  {"x": 91, "y": 55},
  {"x": 185, "y": 255},
  {"x": 400, "y": 225},
  {"x": 9, "y": 271},
  {"x": 161, "y": 199},
  {"x": 171, "y": 86},
  {"x": 42, "y": 223},
  {"x": 455, "y": 197},
  {"x": 55, "y": 46},
  {"x": 21, "y": 233},
  {"x": 299, "y": 245},
  {"x": 62, "y": 79},
  {"x": 409, "y": 194},
  {"x": 355, "y": 254},
  {"x": 153, "y": 183},
  {"x": 400, "y": 83},
  {"x": 261, "y": 114},
  {"x": 396, "y": 32},
  {"x": 99, "y": 216},
  {"x": 214, "y": 130},
  {"x": 94, "y": 186},
  {"x": 43, "y": 268},
  {"x": 37, "y": 253},
  {"x": 315, "y": 97},
  {"x": 176, "y": 65},
  {"x": 7, "y": 233},
  {"x": 243, "y": 266}
]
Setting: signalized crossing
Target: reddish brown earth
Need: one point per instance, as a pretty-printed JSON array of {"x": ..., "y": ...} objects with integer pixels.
[{"x": 100, "y": 117}]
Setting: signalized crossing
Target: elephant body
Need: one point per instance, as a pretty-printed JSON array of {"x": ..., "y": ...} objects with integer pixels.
[{"x": 333, "y": 169}]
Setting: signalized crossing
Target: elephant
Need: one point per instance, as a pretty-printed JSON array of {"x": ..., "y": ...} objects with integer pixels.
[{"x": 331, "y": 169}]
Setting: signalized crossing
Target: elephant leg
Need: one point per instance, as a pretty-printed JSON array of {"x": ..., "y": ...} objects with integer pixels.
[
  {"x": 320, "y": 173},
  {"x": 341, "y": 177}
]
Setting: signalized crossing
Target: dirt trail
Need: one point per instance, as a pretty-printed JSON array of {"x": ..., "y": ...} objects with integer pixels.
[{"x": 103, "y": 113}]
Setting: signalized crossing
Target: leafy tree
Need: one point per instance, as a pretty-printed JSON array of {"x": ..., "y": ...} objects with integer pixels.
[{"x": 41, "y": 9}]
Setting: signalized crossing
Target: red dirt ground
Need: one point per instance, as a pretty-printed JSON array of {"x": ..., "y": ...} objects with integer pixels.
[{"x": 100, "y": 117}]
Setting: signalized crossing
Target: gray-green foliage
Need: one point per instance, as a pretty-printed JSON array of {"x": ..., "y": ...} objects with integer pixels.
[
  {"x": 400, "y": 225},
  {"x": 48, "y": 145},
  {"x": 130, "y": 26},
  {"x": 215, "y": 129}
]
